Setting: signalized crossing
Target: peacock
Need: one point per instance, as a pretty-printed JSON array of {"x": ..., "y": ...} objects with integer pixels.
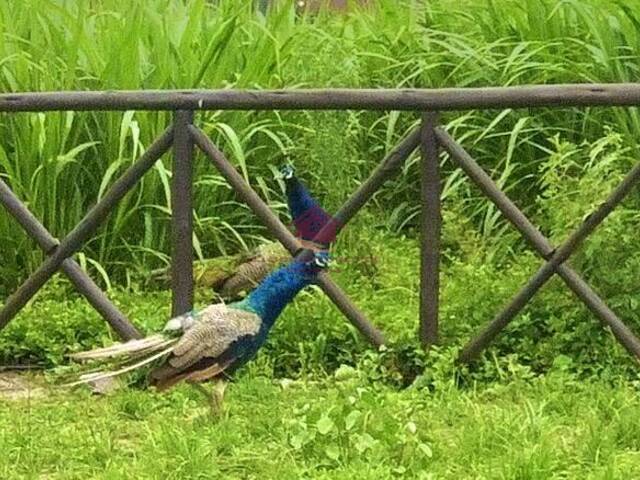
[
  {"x": 231, "y": 276},
  {"x": 212, "y": 343}
]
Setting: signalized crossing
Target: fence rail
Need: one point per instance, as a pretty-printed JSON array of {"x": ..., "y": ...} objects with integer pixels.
[
  {"x": 183, "y": 136},
  {"x": 570, "y": 95}
]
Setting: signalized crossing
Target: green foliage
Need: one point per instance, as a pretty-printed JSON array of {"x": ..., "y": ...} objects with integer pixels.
[
  {"x": 337, "y": 427},
  {"x": 60, "y": 321},
  {"x": 379, "y": 270},
  {"x": 530, "y": 408},
  {"x": 60, "y": 163}
]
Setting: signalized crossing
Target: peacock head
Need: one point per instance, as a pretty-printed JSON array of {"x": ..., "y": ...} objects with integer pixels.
[
  {"x": 313, "y": 261},
  {"x": 321, "y": 259},
  {"x": 287, "y": 171}
]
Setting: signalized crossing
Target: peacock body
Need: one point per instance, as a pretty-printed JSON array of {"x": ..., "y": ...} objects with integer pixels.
[
  {"x": 232, "y": 276},
  {"x": 212, "y": 343}
]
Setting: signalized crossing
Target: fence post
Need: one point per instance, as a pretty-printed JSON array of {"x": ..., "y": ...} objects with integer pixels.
[
  {"x": 430, "y": 231},
  {"x": 182, "y": 215}
]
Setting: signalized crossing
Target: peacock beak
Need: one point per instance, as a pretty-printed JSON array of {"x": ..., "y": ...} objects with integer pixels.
[
  {"x": 321, "y": 261},
  {"x": 287, "y": 172}
]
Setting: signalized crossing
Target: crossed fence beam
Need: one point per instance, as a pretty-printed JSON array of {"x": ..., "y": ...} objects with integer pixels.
[
  {"x": 72, "y": 270},
  {"x": 83, "y": 231},
  {"x": 183, "y": 136},
  {"x": 555, "y": 258}
]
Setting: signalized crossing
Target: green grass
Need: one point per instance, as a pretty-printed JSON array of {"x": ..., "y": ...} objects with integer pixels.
[
  {"x": 61, "y": 163},
  {"x": 555, "y": 396},
  {"x": 379, "y": 271},
  {"x": 552, "y": 427}
]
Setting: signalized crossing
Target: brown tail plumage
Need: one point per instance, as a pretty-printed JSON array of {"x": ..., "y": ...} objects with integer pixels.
[
  {"x": 166, "y": 376},
  {"x": 121, "y": 355}
]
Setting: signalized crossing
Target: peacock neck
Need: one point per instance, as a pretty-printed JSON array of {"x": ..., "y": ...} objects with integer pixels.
[
  {"x": 298, "y": 196},
  {"x": 277, "y": 290}
]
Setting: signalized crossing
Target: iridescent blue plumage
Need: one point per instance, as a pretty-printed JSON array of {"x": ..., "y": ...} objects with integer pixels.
[
  {"x": 234, "y": 337},
  {"x": 299, "y": 199},
  {"x": 312, "y": 222},
  {"x": 268, "y": 301},
  {"x": 278, "y": 289}
]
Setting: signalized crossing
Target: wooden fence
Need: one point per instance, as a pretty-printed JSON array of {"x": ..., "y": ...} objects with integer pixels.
[{"x": 183, "y": 136}]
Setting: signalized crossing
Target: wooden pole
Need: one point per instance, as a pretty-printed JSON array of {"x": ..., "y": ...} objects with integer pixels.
[
  {"x": 71, "y": 269},
  {"x": 87, "y": 226},
  {"x": 430, "y": 232},
  {"x": 439, "y": 99},
  {"x": 182, "y": 283}
]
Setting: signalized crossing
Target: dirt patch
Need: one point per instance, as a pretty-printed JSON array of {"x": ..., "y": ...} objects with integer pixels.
[{"x": 17, "y": 386}]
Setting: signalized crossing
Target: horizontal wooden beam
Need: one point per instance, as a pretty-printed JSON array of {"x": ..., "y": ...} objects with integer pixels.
[{"x": 442, "y": 99}]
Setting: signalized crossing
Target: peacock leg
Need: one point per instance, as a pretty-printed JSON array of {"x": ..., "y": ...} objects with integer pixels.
[
  {"x": 218, "y": 395},
  {"x": 210, "y": 398}
]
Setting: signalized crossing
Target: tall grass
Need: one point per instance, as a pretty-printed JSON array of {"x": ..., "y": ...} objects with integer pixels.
[{"x": 60, "y": 163}]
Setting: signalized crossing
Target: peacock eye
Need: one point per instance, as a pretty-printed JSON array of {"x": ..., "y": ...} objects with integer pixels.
[
  {"x": 287, "y": 172},
  {"x": 321, "y": 260}
]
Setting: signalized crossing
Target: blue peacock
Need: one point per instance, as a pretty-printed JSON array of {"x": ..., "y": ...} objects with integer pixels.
[
  {"x": 212, "y": 343},
  {"x": 231, "y": 276}
]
